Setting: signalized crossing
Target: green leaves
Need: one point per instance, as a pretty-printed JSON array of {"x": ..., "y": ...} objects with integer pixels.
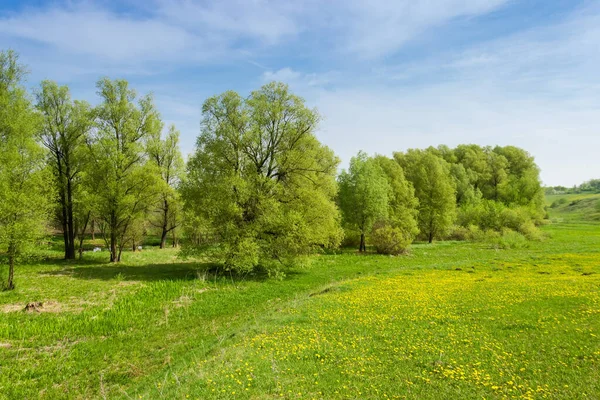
[
  {"x": 24, "y": 182},
  {"x": 127, "y": 184},
  {"x": 434, "y": 188},
  {"x": 262, "y": 180}
]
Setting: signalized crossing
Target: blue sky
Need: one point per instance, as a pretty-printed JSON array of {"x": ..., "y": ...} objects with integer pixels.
[{"x": 385, "y": 75}]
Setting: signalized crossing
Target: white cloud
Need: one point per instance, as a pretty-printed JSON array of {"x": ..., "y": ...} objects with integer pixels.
[
  {"x": 380, "y": 27},
  {"x": 200, "y": 32},
  {"x": 94, "y": 32},
  {"x": 256, "y": 19}
]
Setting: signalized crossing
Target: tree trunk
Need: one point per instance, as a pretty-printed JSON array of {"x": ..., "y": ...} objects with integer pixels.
[
  {"x": 431, "y": 237},
  {"x": 70, "y": 250},
  {"x": 93, "y": 229},
  {"x": 65, "y": 228},
  {"x": 113, "y": 246},
  {"x": 362, "y": 246},
  {"x": 82, "y": 236},
  {"x": 163, "y": 238},
  {"x": 133, "y": 246},
  {"x": 11, "y": 267},
  {"x": 165, "y": 223}
]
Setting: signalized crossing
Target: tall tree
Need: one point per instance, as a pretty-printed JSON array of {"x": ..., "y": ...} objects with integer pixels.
[
  {"x": 66, "y": 125},
  {"x": 23, "y": 180},
  {"x": 364, "y": 195},
  {"x": 126, "y": 184},
  {"x": 434, "y": 187},
  {"x": 402, "y": 204},
  {"x": 165, "y": 154},
  {"x": 262, "y": 180}
]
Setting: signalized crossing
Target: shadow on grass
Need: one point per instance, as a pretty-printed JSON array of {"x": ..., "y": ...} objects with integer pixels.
[{"x": 153, "y": 272}]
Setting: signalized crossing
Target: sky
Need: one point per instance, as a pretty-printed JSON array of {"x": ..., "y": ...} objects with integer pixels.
[{"x": 385, "y": 75}]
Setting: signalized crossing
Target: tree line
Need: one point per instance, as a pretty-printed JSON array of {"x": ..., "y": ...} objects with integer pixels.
[
  {"x": 591, "y": 186},
  {"x": 259, "y": 192}
]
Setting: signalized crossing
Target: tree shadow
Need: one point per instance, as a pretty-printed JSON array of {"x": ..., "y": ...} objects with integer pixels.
[{"x": 153, "y": 272}]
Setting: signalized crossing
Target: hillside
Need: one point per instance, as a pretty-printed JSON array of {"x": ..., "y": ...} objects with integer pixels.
[{"x": 574, "y": 207}]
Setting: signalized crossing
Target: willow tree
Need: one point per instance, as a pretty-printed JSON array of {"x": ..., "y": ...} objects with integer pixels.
[
  {"x": 262, "y": 180},
  {"x": 66, "y": 125},
  {"x": 24, "y": 181},
  {"x": 434, "y": 188},
  {"x": 364, "y": 195},
  {"x": 166, "y": 156},
  {"x": 125, "y": 183}
]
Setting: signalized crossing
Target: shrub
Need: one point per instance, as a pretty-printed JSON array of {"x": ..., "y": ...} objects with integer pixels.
[
  {"x": 511, "y": 240},
  {"x": 558, "y": 202},
  {"x": 388, "y": 239}
]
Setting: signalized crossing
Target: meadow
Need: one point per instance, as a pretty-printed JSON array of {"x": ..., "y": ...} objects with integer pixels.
[{"x": 449, "y": 320}]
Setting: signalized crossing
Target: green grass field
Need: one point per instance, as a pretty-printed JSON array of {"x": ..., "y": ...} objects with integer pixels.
[{"x": 451, "y": 320}]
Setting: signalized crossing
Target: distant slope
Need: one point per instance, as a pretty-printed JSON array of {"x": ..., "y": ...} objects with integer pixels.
[{"x": 574, "y": 207}]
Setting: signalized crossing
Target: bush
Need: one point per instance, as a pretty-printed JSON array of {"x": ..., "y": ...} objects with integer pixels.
[
  {"x": 511, "y": 240},
  {"x": 559, "y": 202},
  {"x": 530, "y": 231},
  {"x": 388, "y": 239},
  {"x": 460, "y": 233}
]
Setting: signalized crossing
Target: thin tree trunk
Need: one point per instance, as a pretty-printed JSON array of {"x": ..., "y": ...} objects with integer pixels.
[
  {"x": 65, "y": 228},
  {"x": 113, "y": 246},
  {"x": 431, "y": 237},
  {"x": 362, "y": 246},
  {"x": 165, "y": 223},
  {"x": 174, "y": 238},
  {"x": 82, "y": 237},
  {"x": 70, "y": 250},
  {"x": 11, "y": 267},
  {"x": 93, "y": 229}
]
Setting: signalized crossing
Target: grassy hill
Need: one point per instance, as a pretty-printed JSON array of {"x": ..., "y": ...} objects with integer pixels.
[
  {"x": 450, "y": 320},
  {"x": 574, "y": 207}
]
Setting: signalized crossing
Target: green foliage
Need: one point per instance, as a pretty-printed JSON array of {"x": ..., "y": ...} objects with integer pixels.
[
  {"x": 65, "y": 128},
  {"x": 511, "y": 240},
  {"x": 262, "y": 180},
  {"x": 24, "y": 182},
  {"x": 434, "y": 189},
  {"x": 402, "y": 203},
  {"x": 166, "y": 157},
  {"x": 126, "y": 184},
  {"x": 364, "y": 195},
  {"x": 390, "y": 239},
  {"x": 559, "y": 202}
]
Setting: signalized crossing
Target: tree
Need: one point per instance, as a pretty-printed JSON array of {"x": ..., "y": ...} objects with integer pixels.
[
  {"x": 434, "y": 188},
  {"x": 364, "y": 195},
  {"x": 262, "y": 180},
  {"x": 126, "y": 184},
  {"x": 23, "y": 180},
  {"x": 165, "y": 154},
  {"x": 66, "y": 125},
  {"x": 402, "y": 204}
]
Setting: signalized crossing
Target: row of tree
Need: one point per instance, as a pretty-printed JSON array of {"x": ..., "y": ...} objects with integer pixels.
[
  {"x": 591, "y": 186},
  {"x": 260, "y": 190},
  {"x": 435, "y": 192},
  {"x": 106, "y": 166}
]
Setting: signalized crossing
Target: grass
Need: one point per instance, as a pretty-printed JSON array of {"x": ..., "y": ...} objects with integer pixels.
[
  {"x": 574, "y": 207},
  {"x": 451, "y": 320}
]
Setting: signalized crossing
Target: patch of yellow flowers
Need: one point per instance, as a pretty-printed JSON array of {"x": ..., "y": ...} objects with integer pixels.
[{"x": 498, "y": 331}]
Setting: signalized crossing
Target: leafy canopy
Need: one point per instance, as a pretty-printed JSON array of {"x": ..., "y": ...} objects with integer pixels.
[{"x": 262, "y": 180}]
